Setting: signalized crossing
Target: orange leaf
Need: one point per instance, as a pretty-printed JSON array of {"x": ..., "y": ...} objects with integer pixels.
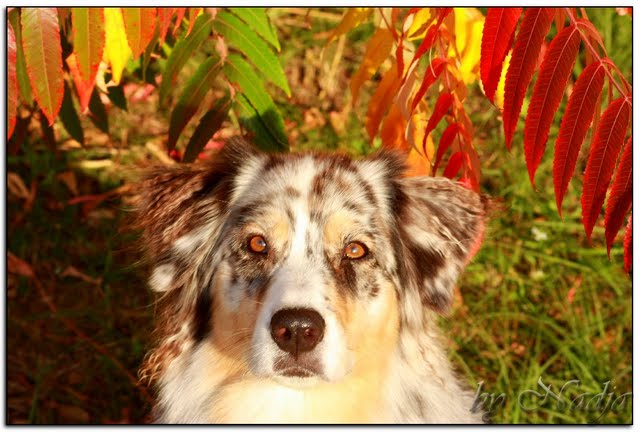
[
  {"x": 620, "y": 196},
  {"x": 535, "y": 26},
  {"x": 574, "y": 127},
  {"x": 12, "y": 81},
  {"x": 43, "y": 56},
  {"x": 179, "y": 17},
  {"x": 140, "y": 23},
  {"x": 605, "y": 148},
  {"x": 164, "y": 21},
  {"x": 377, "y": 51},
  {"x": 83, "y": 88},
  {"x": 193, "y": 14},
  {"x": 393, "y": 130},
  {"x": 497, "y": 39},
  {"x": 430, "y": 76},
  {"x": 547, "y": 94},
  {"x": 381, "y": 100}
]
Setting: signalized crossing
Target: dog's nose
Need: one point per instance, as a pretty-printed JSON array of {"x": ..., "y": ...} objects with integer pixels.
[{"x": 297, "y": 330}]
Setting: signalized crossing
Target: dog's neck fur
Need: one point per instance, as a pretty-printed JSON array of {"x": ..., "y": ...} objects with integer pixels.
[{"x": 415, "y": 385}]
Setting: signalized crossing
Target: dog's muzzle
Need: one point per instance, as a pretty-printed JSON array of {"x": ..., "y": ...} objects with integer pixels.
[{"x": 297, "y": 332}]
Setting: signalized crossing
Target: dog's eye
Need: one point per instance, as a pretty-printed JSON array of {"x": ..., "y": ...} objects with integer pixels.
[
  {"x": 355, "y": 250},
  {"x": 257, "y": 244}
]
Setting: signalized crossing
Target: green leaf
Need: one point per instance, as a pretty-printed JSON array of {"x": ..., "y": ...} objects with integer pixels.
[
  {"x": 21, "y": 66},
  {"x": 240, "y": 36},
  {"x": 43, "y": 56},
  {"x": 69, "y": 117},
  {"x": 257, "y": 19},
  {"x": 146, "y": 58},
  {"x": 183, "y": 49},
  {"x": 88, "y": 40},
  {"x": 116, "y": 96},
  {"x": 98, "y": 114},
  {"x": 257, "y": 110},
  {"x": 193, "y": 94},
  {"x": 209, "y": 125}
]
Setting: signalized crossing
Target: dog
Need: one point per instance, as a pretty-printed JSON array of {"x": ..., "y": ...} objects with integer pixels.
[{"x": 305, "y": 288}]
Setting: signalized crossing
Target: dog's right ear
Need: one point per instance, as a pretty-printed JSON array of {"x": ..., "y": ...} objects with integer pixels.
[{"x": 173, "y": 201}]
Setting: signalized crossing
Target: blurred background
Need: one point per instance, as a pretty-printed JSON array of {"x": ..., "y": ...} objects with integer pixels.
[{"x": 538, "y": 302}]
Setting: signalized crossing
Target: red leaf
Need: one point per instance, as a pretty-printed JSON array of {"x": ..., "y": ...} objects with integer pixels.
[
  {"x": 628, "y": 246},
  {"x": 430, "y": 75},
  {"x": 430, "y": 36},
  {"x": 179, "y": 17},
  {"x": 442, "y": 107},
  {"x": 88, "y": 40},
  {"x": 139, "y": 23},
  {"x": 547, "y": 94},
  {"x": 574, "y": 127},
  {"x": 455, "y": 163},
  {"x": 620, "y": 196},
  {"x": 43, "y": 56},
  {"x": 533, "y": 29},
  {"x": 12, "y": 81},
  {"x": 497, "y": 38},
  {"x": 445, "y": 142},
  {"x": 605, "y": 148},
  {"x": 83, "y": 88}
]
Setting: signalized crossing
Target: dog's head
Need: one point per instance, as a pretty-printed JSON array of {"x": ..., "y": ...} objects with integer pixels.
[{"x": 303, "y": 268}]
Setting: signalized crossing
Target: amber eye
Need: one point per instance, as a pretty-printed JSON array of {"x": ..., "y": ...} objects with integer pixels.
[
  {"x": 355, "y": 250},
  {"x": 257, "y": 244}
]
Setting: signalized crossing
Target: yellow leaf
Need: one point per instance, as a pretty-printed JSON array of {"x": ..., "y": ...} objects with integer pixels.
[
  {"x": 499, "y": 97},
  {"x": 469, "y": 23},
  {"x": 352, "y": 19},
  {"x": 377, "y": 51},
  {"x": 116, "y": 50},
  {"x": 419, "y": 24}
]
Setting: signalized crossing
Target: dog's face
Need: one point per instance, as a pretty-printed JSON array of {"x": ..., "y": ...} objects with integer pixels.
[{"x": 304, "y": 268}]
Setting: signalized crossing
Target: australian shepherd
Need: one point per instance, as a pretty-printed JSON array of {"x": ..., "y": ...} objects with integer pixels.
[{"x": 305, "y": 288}]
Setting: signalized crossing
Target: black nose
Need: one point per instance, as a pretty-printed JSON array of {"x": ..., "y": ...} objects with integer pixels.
[{"x": 297, "y": 330}]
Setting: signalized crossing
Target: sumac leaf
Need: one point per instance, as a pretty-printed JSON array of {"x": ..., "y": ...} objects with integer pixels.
[
  {"x": 547, "y": 94},
  {"x": 257, "y": 19},
  {"x": 88, "y": 40},
  {"x": 446, "y": 140},
  {"x": 430, "y": 76},
  {"x": 69, "y": 117},
  {"x": 196, "y": 89},
  {"x": 179, "y": 17},
  {"x": 97, "y": 112},
  {"x": 83, "y": 88},
  {"x": 377, "y": 51},
  {"x": 455, "y": 164},
  {"x": 164, "y": 21},
  {"x": 497, "y": 38},
  {"x": 181, "y": 52},
  {"x": 534, "y": 27},
  {"x": 208, "y": 125},
  {"x": 574, "y": 127},
  {"x": 628, "y": 245},
  {"x": 442, "y": 107},
  {"x": 381, "y": 101},
  {"x": 239, "y": 35},
  {"x": 117, "y": 97},
  {"x": 605, "y": 148},
  {"x": 21, "y": 67},
  {"x": 620, "y": 196},
  {"x": 12, "y": 81},
  {"x": 43, "y": 56},
  {"x": 257, "y": 110},
  {"x": 193, "y": 14},
  {"x": 116, "y": 49},
  {"x": 140, "y": 24}
]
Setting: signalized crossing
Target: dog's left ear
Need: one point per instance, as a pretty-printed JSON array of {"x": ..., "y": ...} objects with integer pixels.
[{"x": 441, "y": 225}]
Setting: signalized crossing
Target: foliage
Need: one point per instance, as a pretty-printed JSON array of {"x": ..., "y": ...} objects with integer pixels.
[
  {"x": 507, "y": 62},
  {"x": 99, "y": 44}
]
